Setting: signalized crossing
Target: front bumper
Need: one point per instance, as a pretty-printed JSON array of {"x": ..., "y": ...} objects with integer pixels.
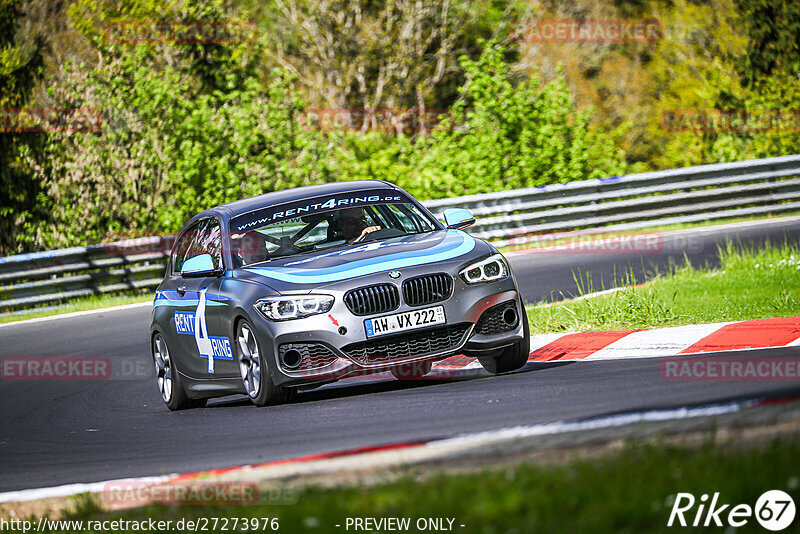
[{"x": 333, "y": 346}]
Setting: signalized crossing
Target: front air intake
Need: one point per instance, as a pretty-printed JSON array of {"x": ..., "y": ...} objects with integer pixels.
[
  {"x": 427, "y": 289},
  {"x": 370, "y": 300},
  {"x": 499, "y": 318},
  {"x": 409, "y": 345}
]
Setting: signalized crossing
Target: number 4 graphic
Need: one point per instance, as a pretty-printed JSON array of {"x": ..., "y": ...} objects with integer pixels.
[{"x": 201, "y": 332}]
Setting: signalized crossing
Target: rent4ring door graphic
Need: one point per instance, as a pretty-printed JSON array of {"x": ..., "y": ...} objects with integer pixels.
[{"x": 196, "y": 321}]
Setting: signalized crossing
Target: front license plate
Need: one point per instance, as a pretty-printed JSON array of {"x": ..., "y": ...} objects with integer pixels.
[{"x": 399, "y": 322}]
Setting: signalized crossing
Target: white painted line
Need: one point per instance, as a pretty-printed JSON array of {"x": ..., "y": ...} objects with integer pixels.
[
  {"x": 667, "y": 233},
  {"x": 795, "y": 343},
  {"x": 540, "y": 340},
  {"x": 587, "y": 296},
  {"x": 656, "y": 343},
  {"x": 740, "y": 224},
  {"x": 561, "y": 427},
  {"x": 74, "y": 489},
  {"x": 448, "y": 447},
  {"x": 77, "y": 313}
]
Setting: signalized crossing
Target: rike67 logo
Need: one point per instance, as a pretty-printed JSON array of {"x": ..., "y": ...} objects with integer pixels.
[{"x": 774, "y": 510}]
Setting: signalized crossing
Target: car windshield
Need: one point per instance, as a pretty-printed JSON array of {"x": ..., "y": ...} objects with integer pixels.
[{"x": 282, "y": 231}]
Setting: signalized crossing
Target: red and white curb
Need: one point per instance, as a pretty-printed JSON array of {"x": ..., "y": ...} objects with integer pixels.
[{"x": 654, "y": 343}]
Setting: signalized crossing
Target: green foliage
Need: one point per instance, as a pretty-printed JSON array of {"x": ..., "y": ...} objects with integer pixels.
[
  {"x": 368, "y": 54},
  {"x": 739, "y": 64},
  {"x": 183, "y": 129},
  {"x": 21, "y": 64},
  {"x": 172, "y": 145},
  {"x": 21, "y": 60},
  {"x": 773, "y": 29},
  {"x": 166, "y": 152},
  {"x": 188, "y": 126},
  {"x": 502, "y": 135},
  {"x": 693, "y": 68},
  {"x": 498, "y": 135}
]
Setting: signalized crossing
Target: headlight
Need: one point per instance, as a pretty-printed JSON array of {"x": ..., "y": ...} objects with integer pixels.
[
  {"x": 491, "y": 269},
  {"x": 286, "y": 308}
]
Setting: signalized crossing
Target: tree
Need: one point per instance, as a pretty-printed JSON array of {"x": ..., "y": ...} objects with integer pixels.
[
  {"x": 21, "y": 65},
  {"x": 175, "y": 139},
  {"x": 505, "y": 136},
  {"x": 500, "y": 134},
  {"x": 773, "y": 31},
  {"x": 385, "y": 54}
]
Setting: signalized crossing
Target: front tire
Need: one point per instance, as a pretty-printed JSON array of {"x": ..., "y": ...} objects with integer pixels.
[
  {"x": 258, "y": 384},
  {"x": 512, "y": 357},
  {"x": 168, "y": 378}
]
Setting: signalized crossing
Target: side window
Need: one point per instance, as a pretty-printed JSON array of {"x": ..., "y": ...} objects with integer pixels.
[
  {"x": 181, "y": 252},
  {"x": 406, "y": 218},
  {"x": 208, "y": 241}
]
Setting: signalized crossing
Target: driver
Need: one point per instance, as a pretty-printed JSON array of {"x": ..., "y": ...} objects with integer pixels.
[
  {"x": 353, "y": 224},
  {"x": 252, "y": 248}
]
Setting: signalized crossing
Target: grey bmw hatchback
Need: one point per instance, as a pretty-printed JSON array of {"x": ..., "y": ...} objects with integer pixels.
[{"x": 298, "y": 288}]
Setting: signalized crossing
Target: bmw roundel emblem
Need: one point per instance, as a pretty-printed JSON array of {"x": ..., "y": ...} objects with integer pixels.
[{"x": 394, "y": 274}]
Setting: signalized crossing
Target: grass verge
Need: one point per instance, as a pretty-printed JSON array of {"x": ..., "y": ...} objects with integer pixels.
[
  {"x": 750, "y": 284},
  {"x": 88, "y": 303},
  {"x": 628, "y": 490}
]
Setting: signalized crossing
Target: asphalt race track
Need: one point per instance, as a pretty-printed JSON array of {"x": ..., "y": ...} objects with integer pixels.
[{"x": 59, "y": 432}]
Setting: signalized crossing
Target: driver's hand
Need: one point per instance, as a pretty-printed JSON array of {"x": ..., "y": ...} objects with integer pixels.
[{"x": 367, "y": 230}]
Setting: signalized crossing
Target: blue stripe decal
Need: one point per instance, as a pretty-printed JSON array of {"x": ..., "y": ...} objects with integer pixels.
[
  {"x": 170, "y": 297},
  {"x": 162, "y": 301},
  {"x": 458, "y": 247},
  {"x": 174, "y": 295}
]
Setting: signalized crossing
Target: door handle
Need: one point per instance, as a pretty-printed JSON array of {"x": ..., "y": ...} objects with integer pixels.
[{"x": 182, "y": 290}]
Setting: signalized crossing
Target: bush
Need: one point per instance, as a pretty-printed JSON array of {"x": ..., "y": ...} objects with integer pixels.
[
  {"x": 167, "y": 151},
  {"x": 176, "y": 140},
  {"x": 497, "y": 136}
]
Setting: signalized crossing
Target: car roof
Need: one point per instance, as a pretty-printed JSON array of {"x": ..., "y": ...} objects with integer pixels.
[{"x": 237, "y": 207}]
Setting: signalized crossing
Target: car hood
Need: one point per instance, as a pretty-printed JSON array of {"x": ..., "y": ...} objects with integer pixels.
[{"x": 300, "y": 272}]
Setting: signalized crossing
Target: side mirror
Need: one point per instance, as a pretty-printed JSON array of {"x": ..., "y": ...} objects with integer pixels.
[
  {"x": 202, "y": 265},
  {"x": 458, "y": 218}
]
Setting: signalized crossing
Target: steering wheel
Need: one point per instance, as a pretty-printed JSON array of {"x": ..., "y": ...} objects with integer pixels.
[
  {"x": 286, "y": 247},
  {"x": 382, "y": 234}
]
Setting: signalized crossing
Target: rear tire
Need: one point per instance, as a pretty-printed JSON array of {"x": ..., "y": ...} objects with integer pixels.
[
  {"x": 168, "y": 379},
  {"x": 512, "y": 357},
  {"x": 258, "y": 384}
]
